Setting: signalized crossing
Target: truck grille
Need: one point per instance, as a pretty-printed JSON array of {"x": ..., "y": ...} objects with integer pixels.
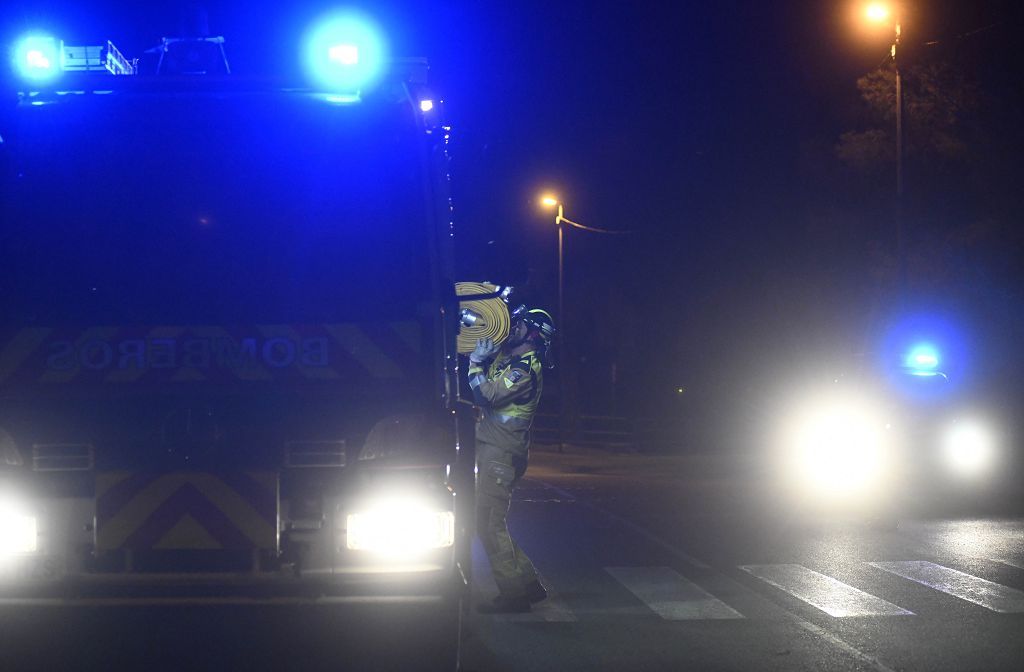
[{"x": 62, "y": 457}]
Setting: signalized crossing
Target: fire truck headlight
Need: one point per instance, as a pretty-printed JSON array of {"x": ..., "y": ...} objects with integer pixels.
[
  {"x": 399, "y": 528},
  {"x": 18, "y": 531},
  {"x": 839, "y": 448},
  {"x": 969, "y": 448},
  {"x": 38, "y": 58},
  {"x": 345, "y": 52}
]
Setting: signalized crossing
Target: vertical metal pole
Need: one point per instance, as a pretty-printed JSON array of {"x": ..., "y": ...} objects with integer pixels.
[
  {"x": 901, "y": 237},
  {"x": 563, "y": 406}
]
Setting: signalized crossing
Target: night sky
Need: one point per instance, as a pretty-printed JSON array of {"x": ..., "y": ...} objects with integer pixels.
[{"x": 708, "y": 129}]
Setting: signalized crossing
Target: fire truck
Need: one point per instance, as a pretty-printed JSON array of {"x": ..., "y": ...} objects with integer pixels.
[{"x": 227, "y": 329}]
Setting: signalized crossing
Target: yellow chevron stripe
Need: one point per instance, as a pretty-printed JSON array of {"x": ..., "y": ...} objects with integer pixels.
[
  {"x": 108, "y": 479},
  {"x": 135, "y": 513},
  {"x": 139, "y": 509},
  {"x": 187, "y": 533},
  {"x": 288, "y": 332},
  {"x": 410, "y": 333},
  {"x": 365, "y": 351},
  {"x": 19, "y": 348},
  {"x": 261, "y": 532}
]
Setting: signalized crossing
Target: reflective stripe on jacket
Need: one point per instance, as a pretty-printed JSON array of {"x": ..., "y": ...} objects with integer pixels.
[{"x": 508, "y": 394}]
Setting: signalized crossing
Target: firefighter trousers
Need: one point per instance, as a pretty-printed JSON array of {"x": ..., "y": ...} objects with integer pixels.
[{"x": 498, "y": 472}]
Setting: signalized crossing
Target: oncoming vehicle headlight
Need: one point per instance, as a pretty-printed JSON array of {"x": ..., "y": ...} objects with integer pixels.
[
  {"x": 839, "y": 448},
  {"x": 399, "y": 527},
  {"x": 18, "y": 531},
  {"x": 969, "y": 448}
]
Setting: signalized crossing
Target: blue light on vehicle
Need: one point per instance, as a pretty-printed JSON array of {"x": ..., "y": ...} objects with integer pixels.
[
  {"x": 343, "y": 98},
  {"x": 927, "y": 355},
  {"x": 426, "y": 105},
  {"x": 345, "y": 52},
  {"x": 38, "y": 58},
  {"x": 922, "y": 360}
]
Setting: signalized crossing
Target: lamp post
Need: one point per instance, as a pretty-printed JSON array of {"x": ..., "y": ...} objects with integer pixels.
[
  {"x": 551, "y": 201},
  {"x": 882, "y": 14}
]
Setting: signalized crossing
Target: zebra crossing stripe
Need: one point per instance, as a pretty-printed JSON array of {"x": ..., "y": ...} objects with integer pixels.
[
  {"x": 830, "y": 595},
  {"x": 984, "y": 593},
  {"x": 670, "y": 595},
  {"x": 1012, "y": 563}
]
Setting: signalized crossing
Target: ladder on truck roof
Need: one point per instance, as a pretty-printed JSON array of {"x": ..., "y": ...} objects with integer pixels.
[{"x": 98, "y": 58}]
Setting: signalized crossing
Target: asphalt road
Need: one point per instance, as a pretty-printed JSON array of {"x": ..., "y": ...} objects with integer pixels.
[
  {"x": 658, "y": 563},
  {"x": 653, "y": 563}
]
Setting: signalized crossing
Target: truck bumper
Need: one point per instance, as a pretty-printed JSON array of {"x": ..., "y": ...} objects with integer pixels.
[{"x": 413, "y": 585}]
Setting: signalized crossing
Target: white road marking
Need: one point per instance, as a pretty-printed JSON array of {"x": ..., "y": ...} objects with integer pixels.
[
  {"x": 982, "y": 592},
  {"x": 867, "y": 659},
  {"x": 1019, "y": 564},
  {"x": 830, "y": 595},
  {"x": 670, "y": 595},
  {"x": 685, "y": 557}
]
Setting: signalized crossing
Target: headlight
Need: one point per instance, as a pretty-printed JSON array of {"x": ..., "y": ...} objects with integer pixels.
[
  {"x": 398, "y": 527},
  {"x": 969, "y": 448},
  {"x": 839, "y": 448},
  {"x": 18, "y": 531}
]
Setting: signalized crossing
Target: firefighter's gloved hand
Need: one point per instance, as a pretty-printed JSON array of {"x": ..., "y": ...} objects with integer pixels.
[{"x": 484, "y": 350}]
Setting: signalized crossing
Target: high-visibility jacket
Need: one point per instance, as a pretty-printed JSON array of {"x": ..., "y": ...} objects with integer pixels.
[{"x": 508, "y": 393}]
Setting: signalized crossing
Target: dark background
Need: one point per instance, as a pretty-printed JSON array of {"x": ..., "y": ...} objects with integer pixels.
[{"x": 712, "y": 131}]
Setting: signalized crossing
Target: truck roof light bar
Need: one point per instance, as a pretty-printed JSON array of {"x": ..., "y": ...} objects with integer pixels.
[
  {"x": 195, "y": 45},
  {"x": 38, "y": 58},
  {"x": 98, "y": 58}
]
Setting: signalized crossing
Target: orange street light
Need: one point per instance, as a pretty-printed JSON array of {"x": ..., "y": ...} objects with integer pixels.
[{"x": 877, "y": 12}]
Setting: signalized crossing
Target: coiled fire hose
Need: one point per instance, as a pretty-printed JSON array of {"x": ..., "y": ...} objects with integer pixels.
[{"x": 482, "y": 314}]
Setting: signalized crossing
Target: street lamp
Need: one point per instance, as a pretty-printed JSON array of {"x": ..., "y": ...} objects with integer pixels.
[
  {"x": 881, "y": 13},
  {"x": 877, "y": 12},
  {"x": 551, "y": 201}
]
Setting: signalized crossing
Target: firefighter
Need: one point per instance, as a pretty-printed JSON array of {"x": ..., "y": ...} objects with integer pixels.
[{"x": 507, "y": 391}]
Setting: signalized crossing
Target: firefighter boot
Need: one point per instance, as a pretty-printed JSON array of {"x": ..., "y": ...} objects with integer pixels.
[
  {"x": 503, "y": 604},
  {"x": 535, "y": 591}
]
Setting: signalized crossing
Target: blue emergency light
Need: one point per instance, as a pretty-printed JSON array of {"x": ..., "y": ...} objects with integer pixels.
[
  {"x": 345, "y": 52},
  {"x": 922, "y": 360},
  {"x": 38, "y": 58}
]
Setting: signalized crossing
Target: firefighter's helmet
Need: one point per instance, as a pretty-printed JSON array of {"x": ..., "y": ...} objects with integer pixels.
[{"x": 540, "y": 328}]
